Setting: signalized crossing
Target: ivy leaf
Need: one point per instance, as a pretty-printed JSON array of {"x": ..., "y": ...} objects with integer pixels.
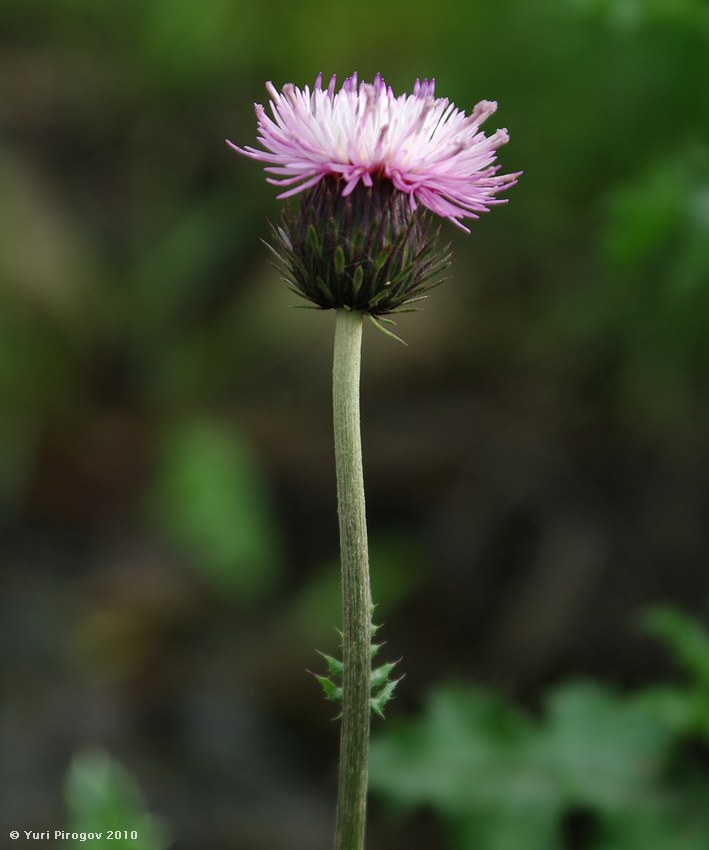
[
  {"x": 605, "y": 751},
  {"x": 687, "y": 639},
  {"x": 100, "y": 796},
  {"x": 467, "y": 752}
]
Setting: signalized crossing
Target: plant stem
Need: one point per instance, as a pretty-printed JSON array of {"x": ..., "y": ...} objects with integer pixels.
[{"x": 356, "y": 596}]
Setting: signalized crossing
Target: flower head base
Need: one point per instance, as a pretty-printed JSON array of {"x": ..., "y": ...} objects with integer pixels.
[
  {"x": 367, "y": 251},
  {"x": 428, "y": 150}
]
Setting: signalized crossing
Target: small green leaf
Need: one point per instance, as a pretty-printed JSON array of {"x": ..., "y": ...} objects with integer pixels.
[
  {"x": 333, "y": 665},
  {"x": 373, "y": 627},
  {"x": 332, "y": 691},
  {"x": 380, "y": 675},
  {"x": 379, "y": 701}
]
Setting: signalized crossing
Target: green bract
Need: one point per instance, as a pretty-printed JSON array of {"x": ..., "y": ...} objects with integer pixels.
[{"x": 368, "y": 251}]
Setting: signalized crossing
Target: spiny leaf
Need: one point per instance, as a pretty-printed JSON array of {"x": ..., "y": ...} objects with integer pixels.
[
  {"x": 333, "y": 664},
  {"x": 378, "y": 702},
  {"x": 380, "y": 675},
  {"x": 332, "y": 691}
]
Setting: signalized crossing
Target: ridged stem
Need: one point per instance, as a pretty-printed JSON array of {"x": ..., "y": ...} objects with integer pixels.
[{"x": 356, "y": 596}]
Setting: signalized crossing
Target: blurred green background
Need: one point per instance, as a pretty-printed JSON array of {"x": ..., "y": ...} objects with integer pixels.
[{"x": 537, "y": 459}]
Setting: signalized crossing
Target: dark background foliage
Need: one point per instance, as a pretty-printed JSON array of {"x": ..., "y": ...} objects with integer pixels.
[{"x": 537, "y": 462}]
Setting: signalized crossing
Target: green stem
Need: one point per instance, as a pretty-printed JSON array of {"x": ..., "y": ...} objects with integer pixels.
[{"x": 356, "y": 597}]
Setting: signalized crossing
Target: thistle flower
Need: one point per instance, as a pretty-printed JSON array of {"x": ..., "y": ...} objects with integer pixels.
[
  {"x": 372, "y": 172},
  {"x": 388, "y": 165}
]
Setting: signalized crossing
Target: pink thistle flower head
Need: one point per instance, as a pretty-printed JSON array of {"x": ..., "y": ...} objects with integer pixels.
[
  {"x": 372, "y": 171},
  {"x": 427, "y": 149}
]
